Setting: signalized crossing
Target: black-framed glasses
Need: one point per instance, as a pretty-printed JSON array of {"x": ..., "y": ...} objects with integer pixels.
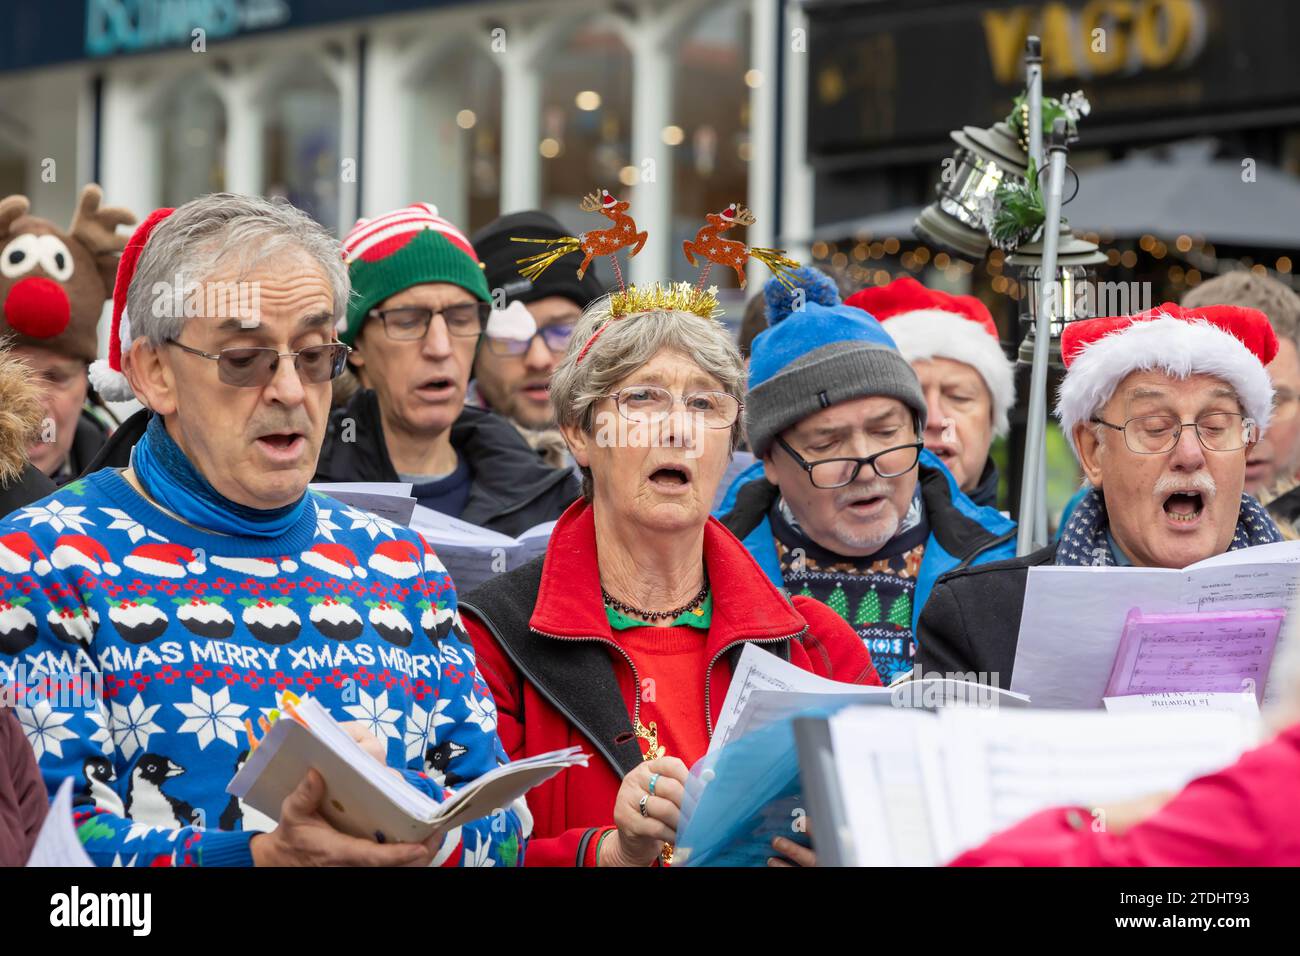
[
  {"x": 647, "y": 404},
  {"x": 254, "y": 366},
  {"x": 838, "y": 472},
  {"x": 556, "y": 337},
  {"x": 410, "y": 322},
  {"x": 1157, "y": 434}
]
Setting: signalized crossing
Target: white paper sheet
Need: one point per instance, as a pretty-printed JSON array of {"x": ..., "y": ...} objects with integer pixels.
[
  {"x": 58, "y": 844},
  {"x": 1073, "y": 617},
  {"x": 1243, "y": 704}
]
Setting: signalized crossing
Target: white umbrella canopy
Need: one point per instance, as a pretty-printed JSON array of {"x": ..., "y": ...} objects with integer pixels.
[
  {"x": 1183, "y": 190},
  {"x": 1189, "y": 192}
]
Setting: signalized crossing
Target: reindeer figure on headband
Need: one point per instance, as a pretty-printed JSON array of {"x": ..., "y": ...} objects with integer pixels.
[
  {"x": 709, "y": 245},
  {"x": 600, "y": 242}
]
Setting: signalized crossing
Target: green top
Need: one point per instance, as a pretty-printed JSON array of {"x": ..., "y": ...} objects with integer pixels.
[{"x": 700, "y": 617}]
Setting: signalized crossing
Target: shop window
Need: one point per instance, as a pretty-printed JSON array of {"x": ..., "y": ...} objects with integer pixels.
[
  {"x": 454, "y": 111},
  {"x": 193, "y": 131},
  {"x": 301, "y": 142}
]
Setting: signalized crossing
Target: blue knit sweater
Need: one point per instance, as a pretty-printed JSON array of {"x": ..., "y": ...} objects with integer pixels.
[{"x": 137, "y": 645}]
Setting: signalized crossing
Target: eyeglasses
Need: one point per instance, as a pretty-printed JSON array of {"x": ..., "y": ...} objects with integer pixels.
[
  {"x": 646, "y": 404},
  {"x": 556, "y": 337},
  {"x": 1157, "y": 434},
  {"x": 410, "y": 322},
  {"x": 838, "y": 472},
  {"x": 254, "y": 367}
]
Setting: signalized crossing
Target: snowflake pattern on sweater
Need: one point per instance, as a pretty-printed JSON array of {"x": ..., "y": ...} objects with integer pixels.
[{"x": 191, "y": 633}]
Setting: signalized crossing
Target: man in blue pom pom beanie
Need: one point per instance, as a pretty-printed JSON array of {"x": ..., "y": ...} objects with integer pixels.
[{"x": 844, "y": 504}]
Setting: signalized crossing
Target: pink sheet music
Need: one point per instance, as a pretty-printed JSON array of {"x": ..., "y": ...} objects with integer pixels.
[{"x": 1195, "y": 651}]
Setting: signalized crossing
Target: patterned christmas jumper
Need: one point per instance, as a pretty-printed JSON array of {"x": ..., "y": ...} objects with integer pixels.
[{"x": 191, "y": 633}]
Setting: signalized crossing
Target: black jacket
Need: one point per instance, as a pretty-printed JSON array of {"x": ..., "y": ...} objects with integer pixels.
[
  {"x": 31, "y": 486},
  {"x": 512, "y": 489},
  {"x": 90, "y": 437},
  {"x": 985, "y": 491},
  {"x": 971, "y": 622},
  {"x": 116, "y": 452}
]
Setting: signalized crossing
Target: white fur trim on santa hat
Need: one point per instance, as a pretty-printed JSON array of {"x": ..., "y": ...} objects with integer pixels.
[
  {"x": 933, "y": 333},
  {"x": 1174, "y": 346},
  {"x": 109, "y": 385}
]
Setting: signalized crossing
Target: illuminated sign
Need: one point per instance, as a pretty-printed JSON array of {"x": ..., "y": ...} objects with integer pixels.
[
  {"x": 1102, "y": 38},
  {"x": 132, "y": 26}
]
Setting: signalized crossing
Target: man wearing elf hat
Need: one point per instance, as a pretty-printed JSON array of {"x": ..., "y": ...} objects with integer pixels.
[
  {"x": 528, "y": 329},
  {"x": 845, "y": 505},
  {"x": 415, "y": 319},
  {"x": 969, "y": 383},
  {"x": 1162, "y": 410},
  {"x": 190, "y": 585}
]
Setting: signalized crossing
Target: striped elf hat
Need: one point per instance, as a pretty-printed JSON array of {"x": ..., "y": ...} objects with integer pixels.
[{"x": 400, "y": 249}]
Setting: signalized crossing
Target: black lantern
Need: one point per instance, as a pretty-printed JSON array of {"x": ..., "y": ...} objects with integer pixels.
[
  {"x": 984, "y": 159},
  {"x": 1074, "y": 294}
]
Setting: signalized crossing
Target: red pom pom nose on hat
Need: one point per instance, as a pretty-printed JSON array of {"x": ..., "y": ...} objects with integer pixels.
[{"x": 38, "y": 307}]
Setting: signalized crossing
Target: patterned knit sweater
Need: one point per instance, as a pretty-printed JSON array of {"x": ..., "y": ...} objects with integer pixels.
[{"x": 137, "y": 645}]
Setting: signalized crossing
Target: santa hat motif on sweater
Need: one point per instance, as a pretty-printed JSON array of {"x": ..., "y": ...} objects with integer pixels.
[
  {"x": 164, "y": 561},
  {"x": 19, "y": 554},
  {"x": 397, "y": 559},
  {"x": 928, "y": 323},
  {"x": 432, "y": 565},
  {"x": 1227, "y": 342},
  {"x": 257, "y": 567},
  {"x": 106, "y": 374},
  {"x": 333, "y": 559},
  {"x": 82, "y": 551}
]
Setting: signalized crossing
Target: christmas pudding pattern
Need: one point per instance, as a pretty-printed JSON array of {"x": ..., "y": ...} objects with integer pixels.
[{"x": 191, "y": 646}]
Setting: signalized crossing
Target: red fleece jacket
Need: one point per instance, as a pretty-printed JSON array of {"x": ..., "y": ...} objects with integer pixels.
[{"x": 745, "y": 607}]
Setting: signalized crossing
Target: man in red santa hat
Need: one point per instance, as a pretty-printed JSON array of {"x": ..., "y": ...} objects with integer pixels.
[
  {"x": 1162, "y": 409},
  {"x": 969, "y": 384}
]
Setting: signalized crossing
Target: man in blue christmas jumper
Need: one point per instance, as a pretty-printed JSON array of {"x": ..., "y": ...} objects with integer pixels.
[{"x": 148, "y": 616}]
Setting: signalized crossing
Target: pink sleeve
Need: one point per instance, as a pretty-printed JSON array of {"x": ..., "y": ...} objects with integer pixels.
[{"x": 1242, "y": 815}]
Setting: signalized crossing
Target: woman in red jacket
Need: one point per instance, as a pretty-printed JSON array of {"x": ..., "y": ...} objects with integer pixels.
[{"x": 622, "y": 638}]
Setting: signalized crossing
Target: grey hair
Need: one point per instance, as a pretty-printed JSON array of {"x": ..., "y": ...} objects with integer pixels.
[
  {"x": 204, "y": 234},
  {"x": 626, "y": 344}
]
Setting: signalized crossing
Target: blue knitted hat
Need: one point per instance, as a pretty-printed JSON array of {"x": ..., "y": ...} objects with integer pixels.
[{"x": 818, "y": 357}]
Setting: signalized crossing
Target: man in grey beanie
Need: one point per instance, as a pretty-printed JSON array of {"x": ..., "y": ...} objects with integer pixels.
[{"x": 845, "y": 505}]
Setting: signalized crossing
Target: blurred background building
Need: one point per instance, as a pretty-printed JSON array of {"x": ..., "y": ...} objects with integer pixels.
[{"x": 830, "y": 119}]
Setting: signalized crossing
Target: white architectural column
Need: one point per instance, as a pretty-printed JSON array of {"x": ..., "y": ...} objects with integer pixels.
[
  {"x": 652, "y": 38},
  {"x": 796, "y": 175},
  {"x": 763, "y": 159},
  {"x": 385, "y": 162},
  {"x": 342, "y": 72},
  {"x": 131, "y": 143},
  {"x": 242, "y": 95},
  {"x": 520, "y": 52}
]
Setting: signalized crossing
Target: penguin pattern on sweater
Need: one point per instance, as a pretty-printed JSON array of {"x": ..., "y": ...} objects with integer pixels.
[{"x": 136, "y": 646}]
